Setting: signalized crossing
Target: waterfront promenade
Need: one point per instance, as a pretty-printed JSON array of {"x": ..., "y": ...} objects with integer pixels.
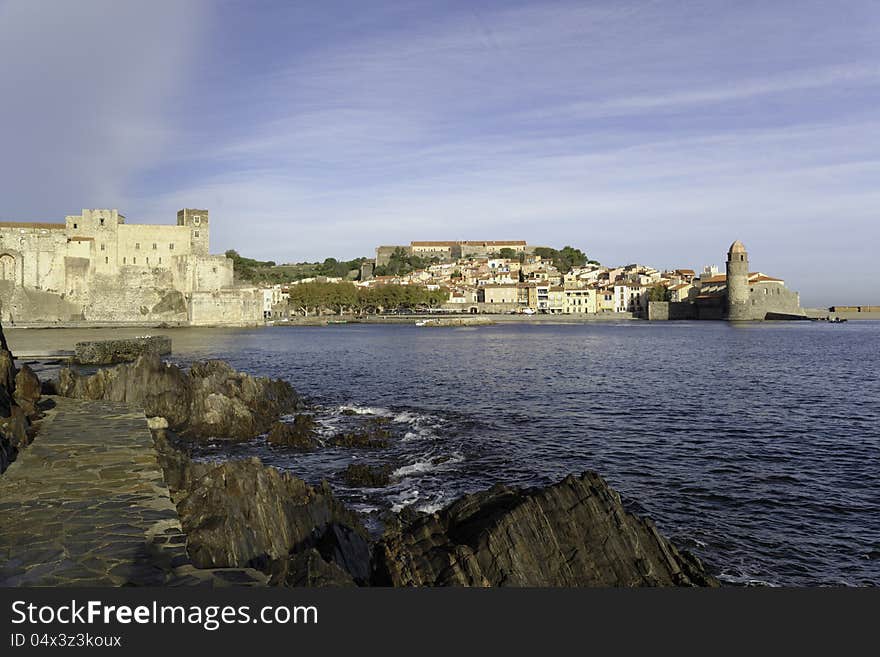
[{"x": 86, "y": 505}]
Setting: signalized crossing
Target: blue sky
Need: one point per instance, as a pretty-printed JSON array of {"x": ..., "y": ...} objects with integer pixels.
[{"x": 653, "y": 132}]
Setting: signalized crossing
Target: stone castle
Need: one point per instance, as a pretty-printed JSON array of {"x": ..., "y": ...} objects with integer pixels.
[
  {"x": 450, "y": 251},
  {"x": 95, "y": 267}
]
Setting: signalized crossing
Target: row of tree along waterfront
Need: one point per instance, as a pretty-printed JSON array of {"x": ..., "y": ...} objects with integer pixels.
[{"x": 308, "y": 298}]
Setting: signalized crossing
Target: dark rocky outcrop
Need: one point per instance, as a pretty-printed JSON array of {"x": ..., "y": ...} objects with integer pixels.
[
  {"x": 574, "y": 533},
  {"x": 374, "y": 434},
  {"x": 28, "y": 391},
  {"x": 212, "y": 400},
  {"x": 241, "y": 513},
  {"x": 361, "y": 475},
  {"x": 19, "y": 397},
  {"x": 299, "y": 434}
]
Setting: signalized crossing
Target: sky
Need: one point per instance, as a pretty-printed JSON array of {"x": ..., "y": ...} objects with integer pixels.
[{"x": 649, "y": 132}]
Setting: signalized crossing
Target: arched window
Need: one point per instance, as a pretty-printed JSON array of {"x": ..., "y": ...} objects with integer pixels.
[{"x": 7, "y": 267}]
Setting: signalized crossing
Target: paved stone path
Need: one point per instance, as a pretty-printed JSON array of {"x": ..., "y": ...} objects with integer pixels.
[{"x": 86, "y": 505}]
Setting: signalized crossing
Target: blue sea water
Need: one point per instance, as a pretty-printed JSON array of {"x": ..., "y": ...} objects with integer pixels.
[{"x": 755, "y": 446}]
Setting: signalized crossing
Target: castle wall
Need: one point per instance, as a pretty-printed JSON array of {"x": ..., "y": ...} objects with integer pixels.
[
  {"x": 35, "y": 256},
  {"x": 771, "y": 298},
  {"x": 242, "y": 307},
  {"x": 95, "y": 267},
  {"x": 143, "y": 245}
]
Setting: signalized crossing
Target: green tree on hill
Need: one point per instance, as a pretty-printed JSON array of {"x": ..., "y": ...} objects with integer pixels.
[{"x": 564, "y": 259}]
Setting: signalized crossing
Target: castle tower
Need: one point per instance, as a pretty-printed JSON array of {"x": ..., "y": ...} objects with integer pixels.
[
  {"x": 197, "y": 220},
  {"x": 737, "y": 282}
]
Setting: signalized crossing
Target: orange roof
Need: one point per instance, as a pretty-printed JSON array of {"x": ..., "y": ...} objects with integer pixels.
[
  {"x": 763, "y": 278},
  {"x": 80, "y": 238},
  {"x": 718, "y": 278},
  {"x": 33, "y": 224}
]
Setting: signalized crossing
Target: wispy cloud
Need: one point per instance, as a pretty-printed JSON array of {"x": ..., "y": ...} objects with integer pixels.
[
  {"x": 86, "y": 93},
  {"x": 649, "y": 131}
]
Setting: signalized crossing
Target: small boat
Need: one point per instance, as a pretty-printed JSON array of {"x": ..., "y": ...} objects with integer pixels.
[
  {"x": 837, "y": 320},
  {"x": 422, "y": 322}
]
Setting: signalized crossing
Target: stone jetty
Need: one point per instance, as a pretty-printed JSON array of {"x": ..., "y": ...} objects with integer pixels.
[{"x": 87, "y": 505}]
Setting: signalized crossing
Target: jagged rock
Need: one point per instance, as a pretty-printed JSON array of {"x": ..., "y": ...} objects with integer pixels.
[
  {"x": 361, "y": 475},
  {"x": 27, "y": 390},
  {"x": 123, "y": 350},
  {"x": 212, "y": 400},
  {"x": 17, "y": 407},
  {"x": 7, "y": 372},
  {"x": 299, "y": 434},
  {"x": 308, "y": 568},
  {"x": 374, "y": 435},
  {"x": 243, "y": 514},
  {"x": 574, "y": 533}
]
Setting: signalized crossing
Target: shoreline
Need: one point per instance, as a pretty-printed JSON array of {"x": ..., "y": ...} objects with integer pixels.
[{"x": 482, "y": 319}]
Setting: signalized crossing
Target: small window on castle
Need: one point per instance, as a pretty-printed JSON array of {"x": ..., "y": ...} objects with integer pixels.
[
  {"x": 154, "y": 246},
  {"x": 74, "y": 225},
  {"x": 148, "y": 261},
  {"x": 123, "y": 261},
  {"x": 196, "y": 233},
  {"x": 102, "y": 248},
  {"x": 102, "y": 222},
  {"x": 134, "y": 261},
  {"x": 215, "y": 270},
  {"x": 106, "y": 260},
  {"x": 171, "y": 246},
  {"x": 137, "y": 245},
  {"x": 160, "y": 260}
]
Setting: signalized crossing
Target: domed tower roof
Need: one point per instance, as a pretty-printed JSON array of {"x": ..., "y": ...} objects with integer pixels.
[{"x": 737, "y": 247}]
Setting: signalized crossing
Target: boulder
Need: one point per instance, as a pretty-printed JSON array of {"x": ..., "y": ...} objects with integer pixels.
[
  {"x": 18, "y": 407},
  {"x": 241, "y": 513},
  {"x": 211, "y": 401},
  {"x": 299, "y": 434},
  {"x": 574, "y": 533},
  {"x": 308, "y": 568},
  {"x": 361, "y": 475},
  {"x": 28, "y": 390},
  {"x": 124, "y": 350}
]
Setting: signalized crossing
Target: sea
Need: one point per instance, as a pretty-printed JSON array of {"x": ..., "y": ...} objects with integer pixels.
[{"x": 756, "y": 446}]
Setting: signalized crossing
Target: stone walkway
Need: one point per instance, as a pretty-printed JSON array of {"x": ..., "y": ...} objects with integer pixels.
[{"x": 86, "y": 505}]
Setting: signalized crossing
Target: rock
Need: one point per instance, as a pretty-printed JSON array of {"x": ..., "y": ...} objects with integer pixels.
[
  {"x": 17, "y": 407},
  {"x": 211, "y": 401},
  {"x": 573, "y": 533},
  {"x": 299, "y": 434},
  {"x": 360, "y": 475},
  {"x": 109, "y": 352},
  {"x": 374, "y": 435},
  {"x": 308, "y": 568},
  {"x": 241, "y": 513},
  {"x": 7, "y": 372},
  {"x": 28, "y": 390},
  {"x": 157, "y": 423}
]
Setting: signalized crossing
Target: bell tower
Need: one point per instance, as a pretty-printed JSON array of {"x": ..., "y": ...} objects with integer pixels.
[
  {"x": 197, "y": 221},
  {"x": 737, "y": 282}
]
